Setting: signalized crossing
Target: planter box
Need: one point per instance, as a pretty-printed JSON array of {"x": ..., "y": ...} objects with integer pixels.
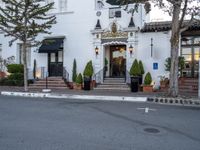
[
  {"x": 71, "y": 85},
  {"x": 134, "y": 84},
  {"x": 87, "y": 83},
  {"x": 78, "y": 86},
  {"x": 2, "y": 75},
  {"x": 147, "y": 88}
]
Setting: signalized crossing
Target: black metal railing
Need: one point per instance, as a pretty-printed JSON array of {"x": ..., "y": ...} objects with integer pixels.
[
  {"x": 65, "y": 75},
  {"x": 99, "y": 76}
]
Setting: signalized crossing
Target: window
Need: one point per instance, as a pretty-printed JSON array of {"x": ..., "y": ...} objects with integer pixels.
[
  {"x": 99, "y": 4},
  {"x": 20, "y": 55},
  {"x": 115, "y": 12},
  {"x": 63, "y": 5},
  {"x": 191, "y": 52}
]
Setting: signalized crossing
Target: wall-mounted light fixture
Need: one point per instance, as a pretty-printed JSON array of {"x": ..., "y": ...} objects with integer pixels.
[
  {"x": 97, "y": 50},
  {"x": 131, "y": 49}
]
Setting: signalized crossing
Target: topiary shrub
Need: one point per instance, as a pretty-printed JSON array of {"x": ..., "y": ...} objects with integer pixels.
[
  {"x": 181, "y": 64},
  {"x": 141, "y": 67},
  {"x": 74, "y": 73},
  {"x": 34, "y": 68},
  {"x": 15, "y": 68},
  {"x": 79, "y": 79},
  {"x": 88, "y": 71},
  {"x": 147, "y": 79},
  {"x": 135, "y": 69}
]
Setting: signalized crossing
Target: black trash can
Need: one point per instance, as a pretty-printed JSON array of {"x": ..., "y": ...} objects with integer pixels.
[
  {"x": 87, "y": 83},
  {"x": 134, "y": 84}
]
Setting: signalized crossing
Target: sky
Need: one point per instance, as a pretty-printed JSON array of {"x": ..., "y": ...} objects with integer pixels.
[{"x": 157, "y": 14}]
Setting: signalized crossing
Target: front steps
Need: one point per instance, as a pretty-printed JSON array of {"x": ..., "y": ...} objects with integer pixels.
[
  {"x": 53, "y": 83},
  {"x": 188, "y": 85},
  {"x": 113, "y": 84}
]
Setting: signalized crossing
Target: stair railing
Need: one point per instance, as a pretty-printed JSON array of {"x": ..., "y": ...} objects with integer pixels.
[
  {"x": 128, "y": 77},
  {"x": 99, "y": 76},
  {"x": 65, "y": 75}
]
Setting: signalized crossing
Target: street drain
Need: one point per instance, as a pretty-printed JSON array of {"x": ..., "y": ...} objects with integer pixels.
[{"x": 151, "y": 130}]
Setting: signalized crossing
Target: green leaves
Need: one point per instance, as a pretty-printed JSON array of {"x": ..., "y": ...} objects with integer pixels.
[
  {"x": 25, "y": 19},
  {"x": 135, "y": 69},
  {"x": 147, "y": 79},
  {"x": 88, "y": 71}
]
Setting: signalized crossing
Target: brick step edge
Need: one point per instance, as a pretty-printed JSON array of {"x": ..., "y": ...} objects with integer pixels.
[{"x": 176, "y": 101}]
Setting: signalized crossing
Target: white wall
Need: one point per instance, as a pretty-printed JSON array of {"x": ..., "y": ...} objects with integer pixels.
[
  {"x": 76, "y": 25},
  {"x": 161, "y": 50}
]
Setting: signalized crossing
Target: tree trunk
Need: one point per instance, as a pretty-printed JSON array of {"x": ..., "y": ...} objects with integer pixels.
[
  {"x": 25, "y": 67},
  {"x": 173, "y": 89}
]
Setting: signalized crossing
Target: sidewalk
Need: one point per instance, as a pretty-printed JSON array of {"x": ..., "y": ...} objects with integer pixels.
[
  {"x": 82, "y": 92},
  {"x": 110, "y": 95}
]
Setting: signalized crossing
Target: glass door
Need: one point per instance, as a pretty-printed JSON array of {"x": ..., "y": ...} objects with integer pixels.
[
  {"x": 118, "y": 61},
  {"x": 55, "y": 63},
  {"x": 191, "y": 55}
]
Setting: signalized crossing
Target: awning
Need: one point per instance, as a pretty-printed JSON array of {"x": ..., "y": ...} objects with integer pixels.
[{"x": 51, "y": 45}]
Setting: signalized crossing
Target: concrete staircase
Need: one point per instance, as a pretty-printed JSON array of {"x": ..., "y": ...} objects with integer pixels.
[
  {"x": 113, "y": 84},
  {"x": 53, "y": 83},
  {"x": 188, "y": 85}
]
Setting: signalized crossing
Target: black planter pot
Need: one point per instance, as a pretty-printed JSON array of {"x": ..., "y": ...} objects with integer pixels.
[
  {"x": 134, "y": 84},
  {"x": 140, "y": 79},
  {"x": 87, "y": 81}
]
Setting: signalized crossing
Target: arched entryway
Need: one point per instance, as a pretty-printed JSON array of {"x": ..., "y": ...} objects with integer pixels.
[{"x": 115, "y": 61}]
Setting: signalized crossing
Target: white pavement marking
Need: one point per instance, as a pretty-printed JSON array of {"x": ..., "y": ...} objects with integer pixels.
[
  {"x": 146, "y": 109},
  {"x": 70, "y": 96}
]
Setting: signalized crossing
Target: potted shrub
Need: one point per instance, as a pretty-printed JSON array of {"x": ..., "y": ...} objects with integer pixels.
[
  {"x": 88, "y": 72},
  {"x": 106, "y": 66},
  {"x": 147, "y": 87},
  {"x": 141, "y": 72},
  {"x": 74, "y": 75},
  {"x": 134, "y": 73},
  {"x": 79, "y": 81},
  {"x": 164, "y": 82}
]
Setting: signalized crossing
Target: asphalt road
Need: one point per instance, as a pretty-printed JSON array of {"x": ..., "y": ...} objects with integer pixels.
[{"x": 50, "y": 124}]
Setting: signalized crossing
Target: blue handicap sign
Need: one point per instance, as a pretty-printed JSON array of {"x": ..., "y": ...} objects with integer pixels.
[{"x": 155, "y": 66}]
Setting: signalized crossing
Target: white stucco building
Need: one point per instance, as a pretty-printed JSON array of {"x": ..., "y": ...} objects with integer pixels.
[{"x": 95, "y": 30}]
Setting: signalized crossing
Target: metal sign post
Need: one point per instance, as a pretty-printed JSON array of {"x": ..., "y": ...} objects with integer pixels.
[
  {"x": 46, "y": 90},
  {"x": 47, "y": 74}
]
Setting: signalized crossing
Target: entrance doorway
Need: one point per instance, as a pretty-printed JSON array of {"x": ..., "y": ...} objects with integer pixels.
[
  {"x": 118, "y": 61},
  {"x": 191, "y": 52},
  {"x": 55, "y": 64}
]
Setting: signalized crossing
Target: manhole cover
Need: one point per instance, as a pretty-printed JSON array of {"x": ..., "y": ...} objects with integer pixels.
[{"x": 151, "y": 130}]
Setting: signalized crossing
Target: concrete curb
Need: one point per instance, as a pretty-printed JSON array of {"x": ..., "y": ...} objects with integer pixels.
[
  {"x": 174, "y": 101},
  {"x": 70, "y": 96}
]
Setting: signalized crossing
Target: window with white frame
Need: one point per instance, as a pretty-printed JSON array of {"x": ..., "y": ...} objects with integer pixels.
[
  {"x": 62, "y": 5},
  {"x": 20, "y": 55},
  {"x": 115, "y": 12}
]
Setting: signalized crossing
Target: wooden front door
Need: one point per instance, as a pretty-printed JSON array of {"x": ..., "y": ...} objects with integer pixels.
[{"x": 55, "y": 64}]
